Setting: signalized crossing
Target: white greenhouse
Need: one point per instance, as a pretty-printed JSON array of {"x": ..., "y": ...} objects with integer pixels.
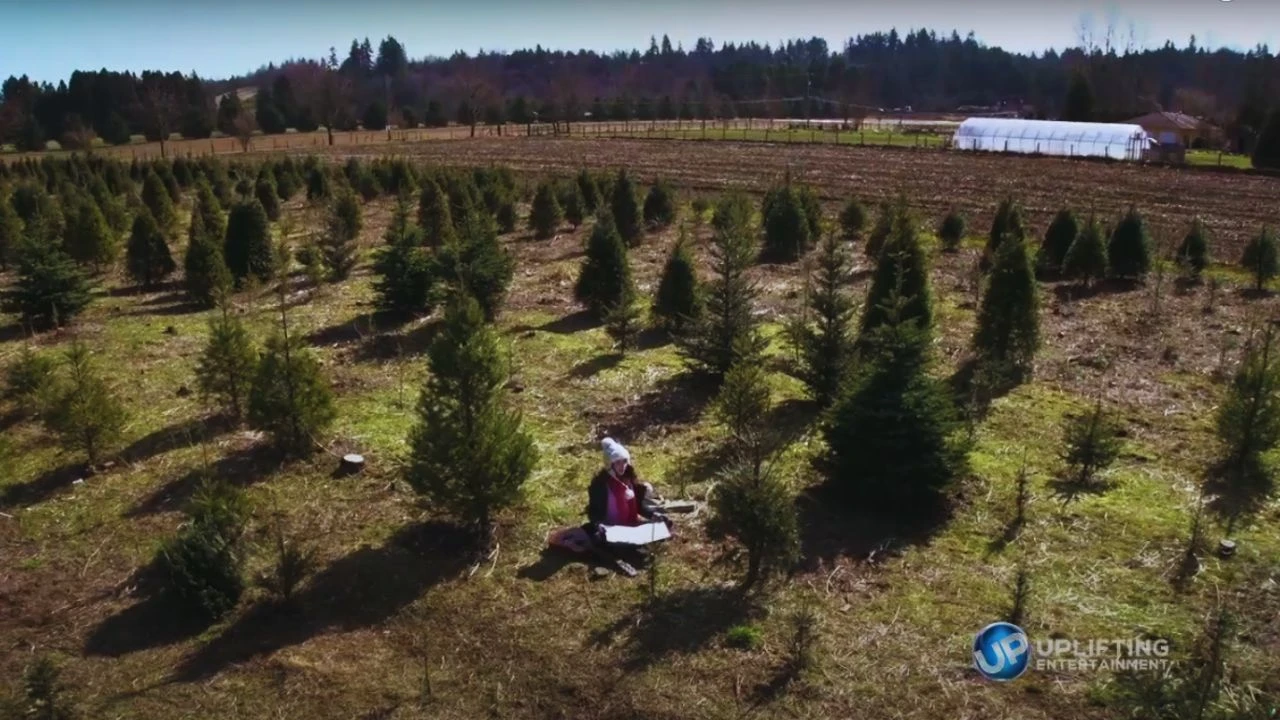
[{"x": 1053, "y": 137}]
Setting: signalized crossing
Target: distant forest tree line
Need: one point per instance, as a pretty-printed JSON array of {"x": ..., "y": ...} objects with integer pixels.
[{"x": 889, "y": 71}]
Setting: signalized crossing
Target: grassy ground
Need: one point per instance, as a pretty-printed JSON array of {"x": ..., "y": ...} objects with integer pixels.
[
  {"x": 394, "y": 625},
  {"x": 1213, "y": 157}
]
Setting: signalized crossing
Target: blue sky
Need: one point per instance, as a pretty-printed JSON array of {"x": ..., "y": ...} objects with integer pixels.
[{"x": 47, "y": 39}]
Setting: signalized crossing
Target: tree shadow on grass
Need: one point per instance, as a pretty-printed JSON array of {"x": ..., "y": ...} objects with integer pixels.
[
  {"x": 357, "y": 591},
  {"x": 1071, "y": 292},
  {"x": 242, "y": 468},
  {"x": 405, "y": 343},
  {"x": 360, "y": 328},
  {"x": 677, "y": 622},
  {"x": 677, "y": 400},
  {"x": 831, "y": 527},
  {"x": 186, "y": 307},
  {"x": 182, "y": 435},
  {"x": 553, "y": 560},
  {"x": 43, "y": 487},
  {"x": 1245, "y": 496},
  {"x": 571, "y": 323},
  {"x": 1069, "y": 489},
  {"x": 158, "y": 620},
  {"x": 595, "y": 366},
  {"x": 10, "y": 333}
]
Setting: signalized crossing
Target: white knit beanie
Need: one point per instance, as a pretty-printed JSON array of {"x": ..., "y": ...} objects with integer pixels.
[{"x": 613, "y": 451}]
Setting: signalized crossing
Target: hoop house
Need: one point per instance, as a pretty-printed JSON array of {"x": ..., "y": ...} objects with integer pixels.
[{"x": 1052, "y": 137}]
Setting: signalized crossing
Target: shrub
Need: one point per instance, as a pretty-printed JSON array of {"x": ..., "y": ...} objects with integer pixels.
[
  {"x": 606, "y": 273},
  {"x": 147, "y": 255},
  {"x": 786, "y": 228},
  {"x": 1091, "y": 444},
  {"x": 468, "y": 452},
  {"x": 82, "y": 409},
  {"x": 247, "y": 249},
  {"x": 290, "y": 398},
  {"x": 660, "y": 205},
  {"x": 951, "y": 231},
  {"x": 744, "y": 637},
  {"x": 545, "y": 215},
  {"x": 227, "y": 365},
  {"x": 1260, "y": 259},
  {"x": 678, "y": 300},
  {"x": 1008, "y": 332},
  {"x": 50, "y": 290}
]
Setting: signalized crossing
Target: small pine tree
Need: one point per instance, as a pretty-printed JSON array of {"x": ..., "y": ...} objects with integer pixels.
[
  {"x": 1058, "y": 239},
  {"x": 209, "y": 208},
  {"x": 227, "y": 365},
  {"x": 606, "y": 271},
  {"x": 825, "y": 345},
  {"x": 951, "y": 231},
  {"x": 318, "y": 185},
  {"x": 44, "y": 693},
  {"x": 757, "y": 510},
  {"x": 82, "y": 410},
  {"x": 570, "y": 197},
  {"x": 405, "y": 272},
  {"x": 622, "y": 321},
  {"x": 853, "y": 220},
  {"x": 1008, "y": 332},
  {"x": 468, "y": 452},
  {"x": 742, "y": 406},
  {"x": 678, "y": 300},
  {"x": 1193, "y": 253},
  {"x": 1128, "y": 252},
  {"x": 112, "y": 206},
  {"x": 28, "y": 378},
  {"x": 204, "y": 562},
  {"x": 1007, "y": 224},
  {"x": 338, "y": 244},
  {"x": 434, "y": 216},
  {"x": 589, "y": 190},
  {"x": 728, "y": 328},
  {"x": 265, "y": 191},
  {"x": 147, "y": 255},
  {"x": 157, "y": 199},
  {"x": 902, "y": 270},
  {"x": 661, "y": 206},
  {"x": 545, "y": 216},
  {"x": 477, "y": 263},
  {"x": 204, "y": 269},
  {"x": 88, "y": 239},
  {"x": 287, "y": 182},
  {"x": 1086, "y": 259},
  {"x": 11, "y": 229},
  {"x": 1092, "y": 444},
  {"x": 50, "y": 289},
  {"x": 1248, "y": 420},
  {"x": 247, "y": 248},
  {"x": 625, "y": 208},
  {"x": 786, "y": 228},
  {"x": 290, "y": 398},
  {"x": 881, "y": 231},
  {"x": 892, "y": 437},
  {"x": 1260, "y": 258}
]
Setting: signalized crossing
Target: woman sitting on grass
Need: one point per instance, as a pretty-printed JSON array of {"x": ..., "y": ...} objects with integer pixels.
[{"x": 616, "y": 495}]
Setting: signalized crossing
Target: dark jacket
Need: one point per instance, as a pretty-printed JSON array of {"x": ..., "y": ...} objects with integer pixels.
[{"x": 598, "y": 497}]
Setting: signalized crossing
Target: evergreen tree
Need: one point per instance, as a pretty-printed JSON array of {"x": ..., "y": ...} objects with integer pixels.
[
  {"x": 892, "y": 435},
  {"x": 265, "y": 191},
  {"x": 11, "y": 231},
  {"x": 678, "y": 300},
  {"x": 1128, "y": 254},
  {"x": 570, "y": 197},
  {"x": 1193, "y": 253},
  {"x": 825, "y": 345},
  {"x": 44, "y": 695},
  {"x": 50, "y": 290},
  {"x": 1266, "y": 153},
  {"x": 1092, "y": 444},
  {"x": 468, "y": 452},
  {"x": 227, "y": 365},
  {"x": 881, "y": 230},
  {"x": 742, "y": 407},
  {"x": 317, "y": 185},
  {"x": 204, "y": 562},
  {"x": 405, "y": 272},
  {"x": 82, "y": 410},
  {"x": 660, "y": 205},
  {"x": 27, "y": 379},
  {"x": 1260, "y": 259},
  {"x": 951, "y": 231},
  {"x": 1086, "y": 259},
  {"x": 208, "y": 207},
  {"x": 247, "y": 248},
  {"x": 147, "y": 255},
  {"x": 756, "y": 509},
  {"x": 1079, "y": 102},
  {"x": 606, "y": 271},
  {"x": 786, "y": 229},
  {"x": 1008, "y": 332},
  {"x": 1062, "y": 233},
  {"x": 477, "y": 263},
  {"x": 204, "y": 269},
  {"x": 434, "y": 216},
  {"x": 903, "y": 270},
  {"x": 545, "y": 215},
  {"x": 290, "y": 398},
  {"x": 339, "y": 245},
  {"x": 158, "y": 200},
  {"x": 626, "y": 210},
  {"x": 853, "y": 220},
  {"x": 287, "y": 182},
  {"x": 590, "y": 191},
  {"x": 88, "y": 239},
  {"x": 622, "y": 320},
  {"x": 727, "y": 328},
  {"x": 1007, "y": 224},
  {"x": 112, "y": 206},
  {"x": 1248, "y": 420}
]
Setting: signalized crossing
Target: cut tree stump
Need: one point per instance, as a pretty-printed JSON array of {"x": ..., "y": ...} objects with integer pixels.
[
  {"x": 351, "y": 464},
  {"x": 1226, "y": 548}
]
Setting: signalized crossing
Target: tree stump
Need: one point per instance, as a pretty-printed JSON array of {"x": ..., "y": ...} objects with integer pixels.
[
  {"x": 351, "y": 464},
  {"x": 1226, "y": 548}
]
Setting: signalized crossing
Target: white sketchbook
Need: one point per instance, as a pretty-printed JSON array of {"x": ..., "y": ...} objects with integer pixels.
[{"x": 638, "y": 535}]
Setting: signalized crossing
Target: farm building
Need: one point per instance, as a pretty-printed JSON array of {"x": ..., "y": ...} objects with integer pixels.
[
  {"x": 1052, "y": 137},
  {"x": 1173, "y": 128}
]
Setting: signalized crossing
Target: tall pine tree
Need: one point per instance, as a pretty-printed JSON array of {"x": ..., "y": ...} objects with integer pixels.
[
  {"x": 625, "y": 206},
  {"x": 247, "y": 249},
  {"x": 824, "y": 336},
  {"x": 405, "y": 271},
  {"x": 147, "y": 255},
  {"x": 1128, "y": 253},
  {"x": 606, "y": 272},
  {"x": 903, "y": 270},
  {"x": 338, "y": 244},
  {"x": 1008, "y": 332},
  {"x": 50, "y": 290},
  {"x": 678, "y": 300}
]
